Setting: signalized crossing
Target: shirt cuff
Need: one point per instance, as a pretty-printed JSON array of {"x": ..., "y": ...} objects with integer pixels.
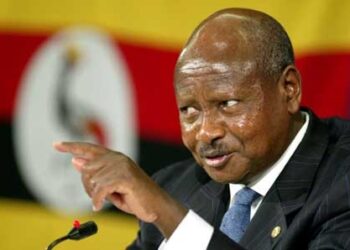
[{"x": 193, "y": 233}]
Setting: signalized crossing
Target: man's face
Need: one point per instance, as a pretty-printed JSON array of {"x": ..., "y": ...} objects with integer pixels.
[{"x": 235, "y": 122}]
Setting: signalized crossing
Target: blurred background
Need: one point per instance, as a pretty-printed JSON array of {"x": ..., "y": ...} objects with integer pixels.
[{"x": 101, "y": 71}]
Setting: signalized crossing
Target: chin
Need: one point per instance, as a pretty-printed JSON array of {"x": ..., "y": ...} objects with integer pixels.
[{"x": 225, "y": 178}]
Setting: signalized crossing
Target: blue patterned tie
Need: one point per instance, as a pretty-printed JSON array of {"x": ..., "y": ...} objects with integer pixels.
[{"x": 237, "y": 218}]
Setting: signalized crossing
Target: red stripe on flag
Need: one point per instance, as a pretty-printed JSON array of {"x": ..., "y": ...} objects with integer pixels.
[
  {"x": 15, "y": 52},
  {"x": 152, "y": 72},
  {"x": 326, "y": 81}
]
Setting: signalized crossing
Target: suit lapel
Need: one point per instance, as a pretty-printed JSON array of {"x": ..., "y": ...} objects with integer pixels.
[
  {"x": 269, "y": 216},
  {"x": 208, "y": 200},
  {"x": 288, "y": 194}
]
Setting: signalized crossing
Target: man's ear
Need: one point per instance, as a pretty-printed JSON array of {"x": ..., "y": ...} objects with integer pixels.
[{"x": 290, "y": 83}]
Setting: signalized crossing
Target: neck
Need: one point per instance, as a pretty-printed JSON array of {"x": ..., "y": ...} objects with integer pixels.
[{"x": 297, "y": 122}]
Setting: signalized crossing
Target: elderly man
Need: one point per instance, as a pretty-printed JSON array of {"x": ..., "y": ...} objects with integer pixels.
[{"x": 265, "y": 174}]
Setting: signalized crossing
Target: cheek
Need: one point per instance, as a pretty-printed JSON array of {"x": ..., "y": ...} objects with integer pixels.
[
  {"x": 243, "y": 123},
  {"x": 188, "y": 136},
  {"x": 188, "y": 127},
  {"x": 189, "y": 132},
  {"x": 189, "y": 140},
  {"x": 243, "y": 126},
  {"x": 251, "y": 132}
]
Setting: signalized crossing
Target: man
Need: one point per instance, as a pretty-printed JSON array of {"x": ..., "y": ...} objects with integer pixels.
[{"x": 238, "y": 93}]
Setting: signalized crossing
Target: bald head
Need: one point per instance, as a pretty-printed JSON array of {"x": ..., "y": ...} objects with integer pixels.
[
  {"x": 238, "y": 94},
  {"x": 243, "y": 35}
]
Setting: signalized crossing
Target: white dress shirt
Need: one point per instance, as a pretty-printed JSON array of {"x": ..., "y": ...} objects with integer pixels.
[{"x": 194, "y": 233}]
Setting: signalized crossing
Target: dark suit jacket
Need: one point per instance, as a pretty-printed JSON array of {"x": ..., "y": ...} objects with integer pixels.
[{"x": 310, "y": 200}]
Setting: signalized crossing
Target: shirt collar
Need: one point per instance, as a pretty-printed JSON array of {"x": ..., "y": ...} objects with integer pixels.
[{"x": 263, "y": 183}]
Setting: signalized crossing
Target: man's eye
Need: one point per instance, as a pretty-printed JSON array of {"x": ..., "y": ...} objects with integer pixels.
[
  {"x": 229, "y": 103},
  {"x": 188, "y": 110}
]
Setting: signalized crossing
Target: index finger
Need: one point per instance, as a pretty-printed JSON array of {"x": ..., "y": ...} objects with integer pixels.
[{"x": 80, "y": 149}]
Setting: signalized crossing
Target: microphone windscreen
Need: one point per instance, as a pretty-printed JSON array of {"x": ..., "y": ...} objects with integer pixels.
[{"x": 86, "y": 229}]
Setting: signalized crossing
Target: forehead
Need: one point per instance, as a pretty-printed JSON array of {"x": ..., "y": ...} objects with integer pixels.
[
  {"x": 213, "y": 83},
  {"x": 213, "y": 75}
]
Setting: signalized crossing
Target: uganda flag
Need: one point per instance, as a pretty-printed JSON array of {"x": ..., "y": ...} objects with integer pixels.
[{"x": 102, "y": 71}]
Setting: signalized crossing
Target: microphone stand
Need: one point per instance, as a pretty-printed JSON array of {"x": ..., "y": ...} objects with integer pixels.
[{"x": 57, "y": 241}]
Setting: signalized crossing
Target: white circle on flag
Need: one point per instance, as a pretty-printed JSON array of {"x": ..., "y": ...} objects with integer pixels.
[{"x": 75, "y": 88}]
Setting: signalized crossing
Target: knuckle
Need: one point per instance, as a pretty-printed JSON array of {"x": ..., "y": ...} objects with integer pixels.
[{"x": 101, "y": 187}]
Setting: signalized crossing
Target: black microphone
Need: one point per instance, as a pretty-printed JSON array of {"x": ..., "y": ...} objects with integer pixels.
[{"x": 78, "y": 232}]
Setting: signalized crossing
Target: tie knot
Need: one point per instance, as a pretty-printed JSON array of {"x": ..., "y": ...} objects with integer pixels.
[{"x": 246, "y": 196}]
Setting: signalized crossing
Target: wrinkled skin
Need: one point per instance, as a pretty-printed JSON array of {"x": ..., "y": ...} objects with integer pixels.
[
  {"x": 110, "y": 175},
  {"x": 235, "y": 121}
]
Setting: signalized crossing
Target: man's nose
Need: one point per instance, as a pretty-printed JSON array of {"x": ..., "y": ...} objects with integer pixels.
[{"x": 210, "y": 130}]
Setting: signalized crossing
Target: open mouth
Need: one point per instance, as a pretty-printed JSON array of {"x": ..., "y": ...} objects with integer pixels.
[{"x": 217, "y": 161}]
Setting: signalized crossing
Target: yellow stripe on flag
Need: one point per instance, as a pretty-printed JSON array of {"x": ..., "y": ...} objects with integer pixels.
[
  {"x": 27, "y": 225},
  {"x": 312, "y": 24}
]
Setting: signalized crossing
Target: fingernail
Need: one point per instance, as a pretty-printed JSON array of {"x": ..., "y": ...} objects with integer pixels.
[{"x": 94, "y": 208}]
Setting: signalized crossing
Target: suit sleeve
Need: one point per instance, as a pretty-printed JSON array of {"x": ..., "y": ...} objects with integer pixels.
[
  {"x": 198, "y": 241},
  {"x": 335, "y": 234},
  {"x": 333, "y": 218},
  {"x": 222, "y": 242},
  {"x": 149, "y": 238}
]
